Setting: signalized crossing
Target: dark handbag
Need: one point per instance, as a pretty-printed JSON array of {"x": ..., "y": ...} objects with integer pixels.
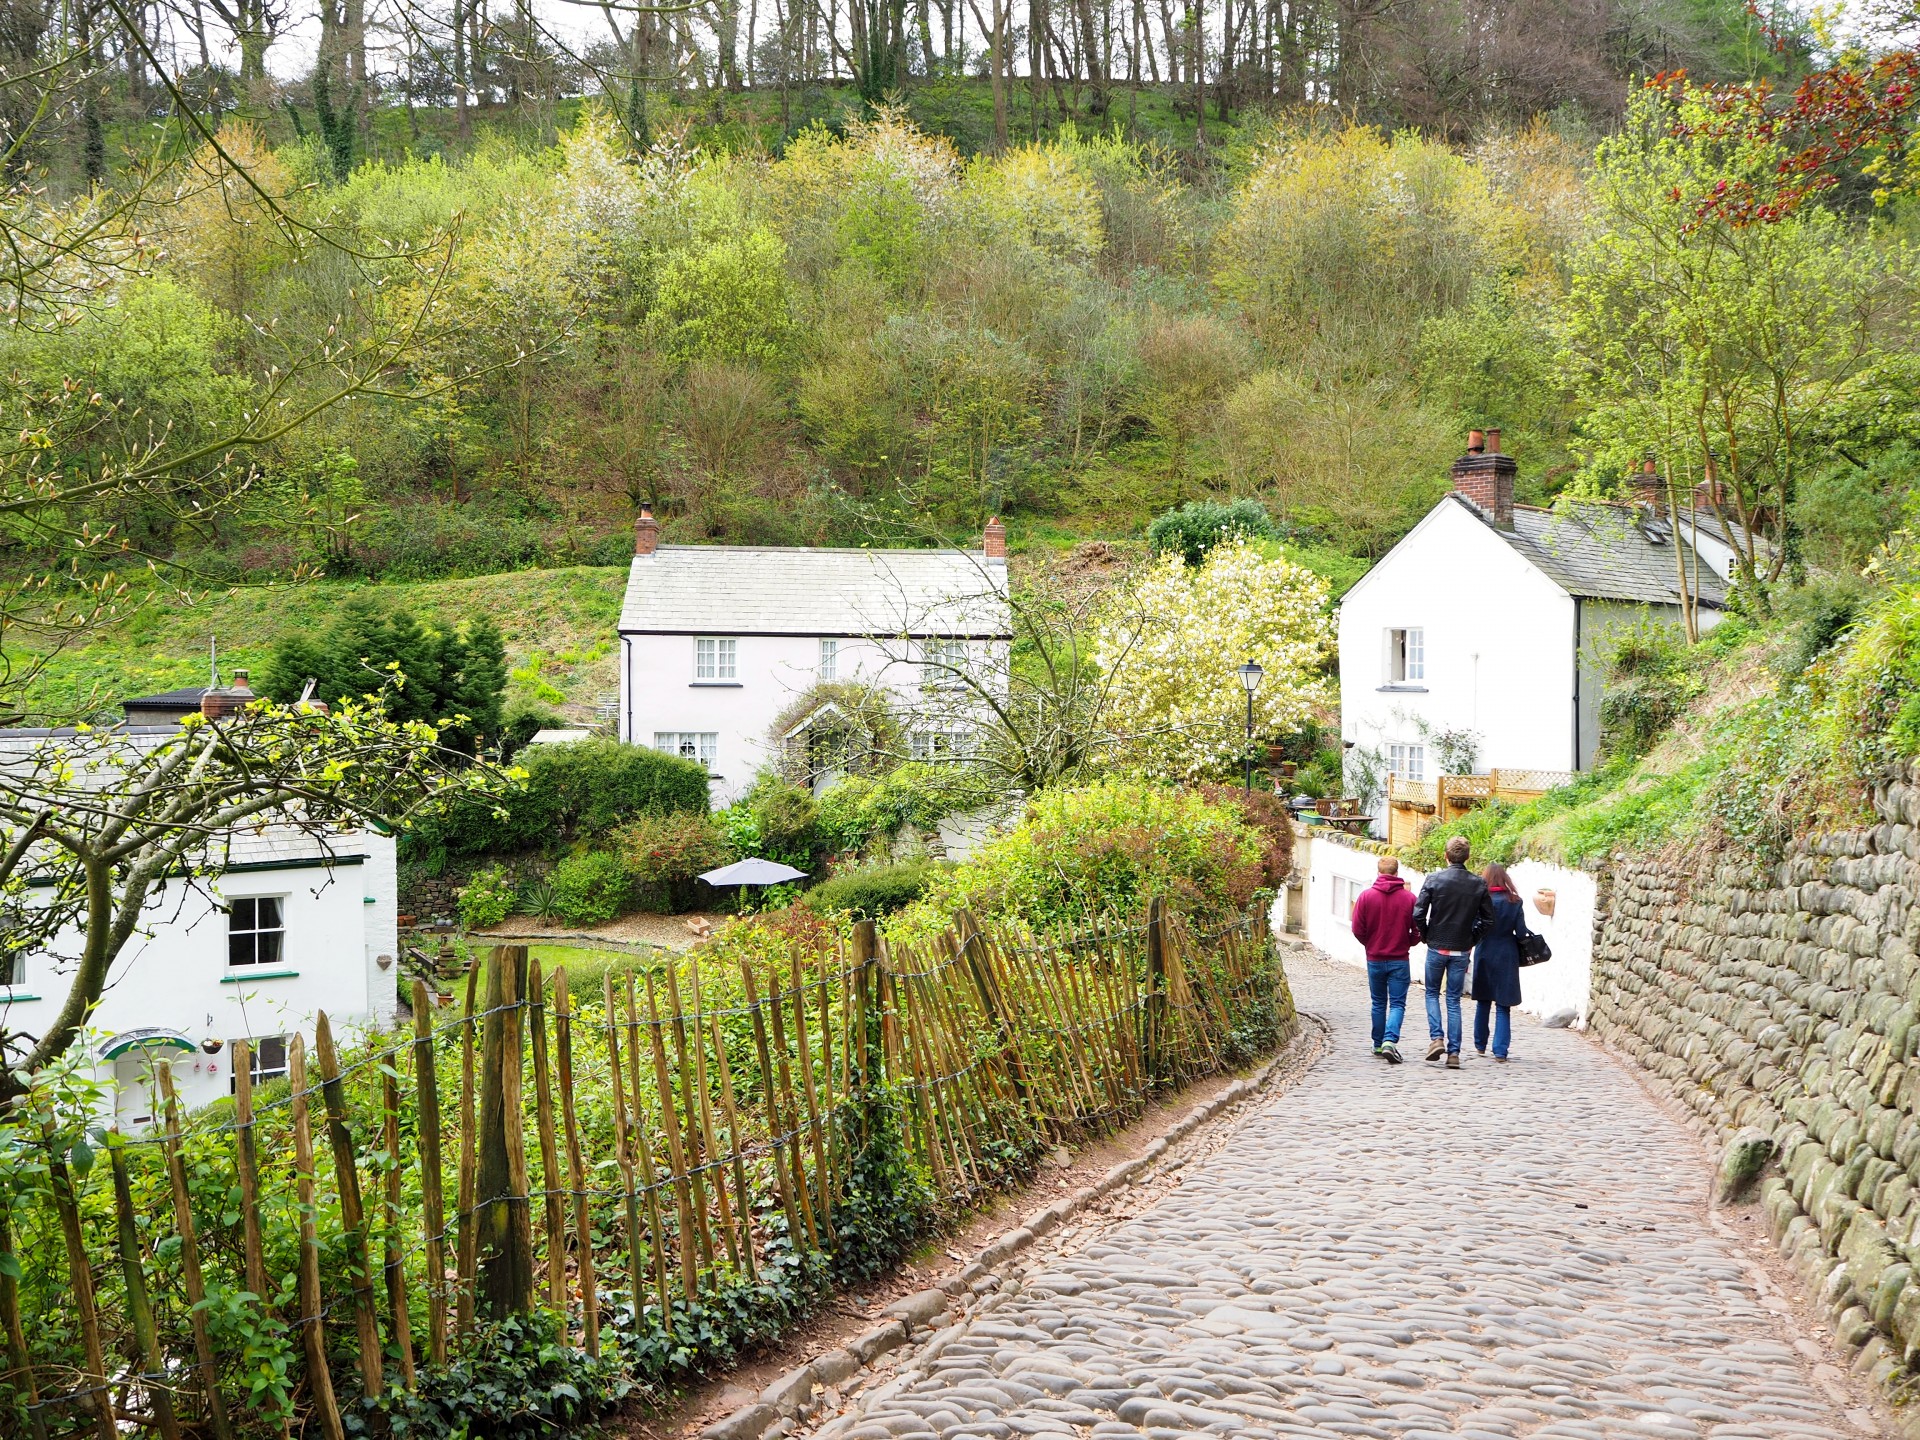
[{"x": 1534, "y": 949}]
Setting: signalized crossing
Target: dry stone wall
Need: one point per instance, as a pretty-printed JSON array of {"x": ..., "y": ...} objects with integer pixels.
[{"x": 1782, "y": 1006}]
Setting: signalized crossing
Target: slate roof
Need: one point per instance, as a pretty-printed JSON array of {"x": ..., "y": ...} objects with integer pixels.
[
  {"x": 188, "y": 698},
  {"x": 1605, "y": 552},
  {"x": 755, "y": 590}
]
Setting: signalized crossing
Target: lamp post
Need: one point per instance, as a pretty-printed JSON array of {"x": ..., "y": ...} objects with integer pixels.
[{"x": 1249, "y": 674}]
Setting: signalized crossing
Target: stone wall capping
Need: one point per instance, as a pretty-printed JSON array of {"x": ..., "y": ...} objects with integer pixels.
[{"x": 915, "y": 1316}]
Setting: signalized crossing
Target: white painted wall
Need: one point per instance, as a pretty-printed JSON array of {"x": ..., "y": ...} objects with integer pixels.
[
  {"x": 1499, "y": 647},
  {"x": 1565, "y": 980},
  {"x": 659, "y": 692},
  {"x": 339, "y": 921}
]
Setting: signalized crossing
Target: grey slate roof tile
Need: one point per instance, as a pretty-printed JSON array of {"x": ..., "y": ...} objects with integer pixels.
[
  {"x": 753, "y": 590},
  {"x": 1601, "y": 552}
]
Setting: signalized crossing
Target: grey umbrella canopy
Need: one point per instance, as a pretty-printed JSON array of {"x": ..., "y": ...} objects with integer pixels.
[{"x": 753, "y": 872}]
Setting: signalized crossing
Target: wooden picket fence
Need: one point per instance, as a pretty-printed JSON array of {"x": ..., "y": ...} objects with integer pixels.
[{"x": 610, "y": 1161}]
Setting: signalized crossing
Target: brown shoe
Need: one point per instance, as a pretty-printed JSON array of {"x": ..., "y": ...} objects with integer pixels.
[
  {"x": 1436, "y": 1049},
  {"x": 1500, "y": 1059},
  {"x": 1453, "y": 1062}
]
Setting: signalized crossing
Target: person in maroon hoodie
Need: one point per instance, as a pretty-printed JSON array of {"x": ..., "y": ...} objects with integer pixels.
[{"x": 1383, "y": 923}]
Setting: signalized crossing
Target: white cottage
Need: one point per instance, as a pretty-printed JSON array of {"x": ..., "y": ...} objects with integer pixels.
[
  {"x": 717, "y": 641},
  {"x": 1492, "y": 617},
  {"x": 288, "y": 927}
]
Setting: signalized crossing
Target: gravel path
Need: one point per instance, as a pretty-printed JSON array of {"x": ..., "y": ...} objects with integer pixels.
[{"x": 1501, "y": 1251}]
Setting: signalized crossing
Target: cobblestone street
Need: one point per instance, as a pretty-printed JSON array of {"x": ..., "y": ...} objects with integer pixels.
[{"x": 1501, "y": 1251}]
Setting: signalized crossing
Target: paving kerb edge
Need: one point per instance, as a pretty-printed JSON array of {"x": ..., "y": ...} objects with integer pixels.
[{"x": 773, "y": 1411}]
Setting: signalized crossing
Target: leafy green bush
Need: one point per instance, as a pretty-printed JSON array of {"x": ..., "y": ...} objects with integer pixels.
[
  {"x": 518, "y": 1377},
  {"x": 859, "y": 811},
  {"x": 486, "y": 899},
  {"x": 1104, "y": 848},
  {"x": 571, "y": 793},
  {"x": 664, "y": 854},
  {"x": 1199, "y": 525},
  {"x": 590, "y": 887},
  {"x": 1820, "y": 614},
  {"x": 775, "y": 820},
  {"x": 1652, "y": 675},
  {"x": 871, "y": 892}
]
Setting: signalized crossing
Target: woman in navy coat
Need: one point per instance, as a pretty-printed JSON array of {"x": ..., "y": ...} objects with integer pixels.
[{"x": 1496, "y": 964}]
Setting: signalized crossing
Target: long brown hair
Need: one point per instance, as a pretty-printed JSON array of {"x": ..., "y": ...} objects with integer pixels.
[{"x": 1496, "y": 877}]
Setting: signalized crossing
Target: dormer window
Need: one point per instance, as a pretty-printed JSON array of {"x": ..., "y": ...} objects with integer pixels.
[{"x": 1406, "y": 657}]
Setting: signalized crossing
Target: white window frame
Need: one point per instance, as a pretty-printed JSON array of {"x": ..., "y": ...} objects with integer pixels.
[
  {"x": 705, "y": 744},
  {"x": 1344, "y": 893},
  {"x": 829, "y": 659},
  {"x": 261, "y": 1071},
  {"x": 716, "y": 658},
  {"x": 939, "y": 658},
  {"x": 248, "y": 907},
  {"x": 942, "y": 740},
  {"x": 1406, "y": 655},
  {"x": 1407, "y": 760}
]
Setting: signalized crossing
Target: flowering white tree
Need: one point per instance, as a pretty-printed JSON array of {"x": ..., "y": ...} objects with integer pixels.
[{"x": 1174, "y": 640}]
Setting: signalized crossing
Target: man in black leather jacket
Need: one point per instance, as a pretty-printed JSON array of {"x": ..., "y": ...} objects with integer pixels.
[{"x": 1452, "y": 911}]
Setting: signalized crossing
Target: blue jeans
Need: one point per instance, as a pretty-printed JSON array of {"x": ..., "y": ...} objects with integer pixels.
[
  {"x": 1387, "y": 980},
  {"x": 1502, "y": 1027},
  {"x": 1453, "y": 968}
]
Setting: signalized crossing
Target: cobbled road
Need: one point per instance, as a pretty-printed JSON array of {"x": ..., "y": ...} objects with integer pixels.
[{"x": 1499, "y": 1251}]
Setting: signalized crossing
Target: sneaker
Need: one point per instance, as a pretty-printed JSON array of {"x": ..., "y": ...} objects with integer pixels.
[
  {"x": 1436, "y": 1049},
  {"x": 1379, "y": 1052},
  {"x": 1391, "y": 1052},
  {"x": 1453, "y": 1061}
]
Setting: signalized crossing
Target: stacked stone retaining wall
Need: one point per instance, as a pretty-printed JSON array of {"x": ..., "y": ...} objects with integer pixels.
[{"x": 1785, "y": 1000}]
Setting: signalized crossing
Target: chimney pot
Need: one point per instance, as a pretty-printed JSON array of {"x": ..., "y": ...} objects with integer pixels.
[
  {"x": 1485, "y": 477},
  {"x": 240, "y": 681},
  {"x": 1493, "y": 440},
  {"x": 646, "y": 530},
  {"x": 994, "y": 542},
  {"x": 1648, "y": 490}
]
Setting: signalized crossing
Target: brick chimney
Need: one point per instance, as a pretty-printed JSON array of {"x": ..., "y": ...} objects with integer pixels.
[
  {"x": 1485, "y": 476},
  {"x": 995, "y": 540},
  {"x": 646, "y": 530},
  {"x": 220, "y": 702},
  {"x": 1649, "y": 489}
]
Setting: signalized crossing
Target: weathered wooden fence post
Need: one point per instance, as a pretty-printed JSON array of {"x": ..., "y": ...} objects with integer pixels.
[
  {"x": 426, "y": 1086},
  {"x": 353, "y": 1216},
  {"x": 503, "y": 1218},
  {"x": 866, "y": 948},
  {"x": 993, "y": 1002},
  {"x": 1156, "y": 998},
  {"x": 139, "y": 1307},
  {"x": 312, "y": 1305}
]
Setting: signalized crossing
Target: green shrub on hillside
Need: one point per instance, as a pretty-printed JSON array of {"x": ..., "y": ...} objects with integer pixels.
[
  {"x": 1652, "y": 675},
  {"x": 571, "y": 793},
  {"x": 872, "y": 892},
  {"x": 1199, "y": 525},
  {"x": 438, "y": 674}
]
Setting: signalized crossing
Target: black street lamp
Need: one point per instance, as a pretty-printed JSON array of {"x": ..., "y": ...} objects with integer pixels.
[{"x": 1249, "y": 674}]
